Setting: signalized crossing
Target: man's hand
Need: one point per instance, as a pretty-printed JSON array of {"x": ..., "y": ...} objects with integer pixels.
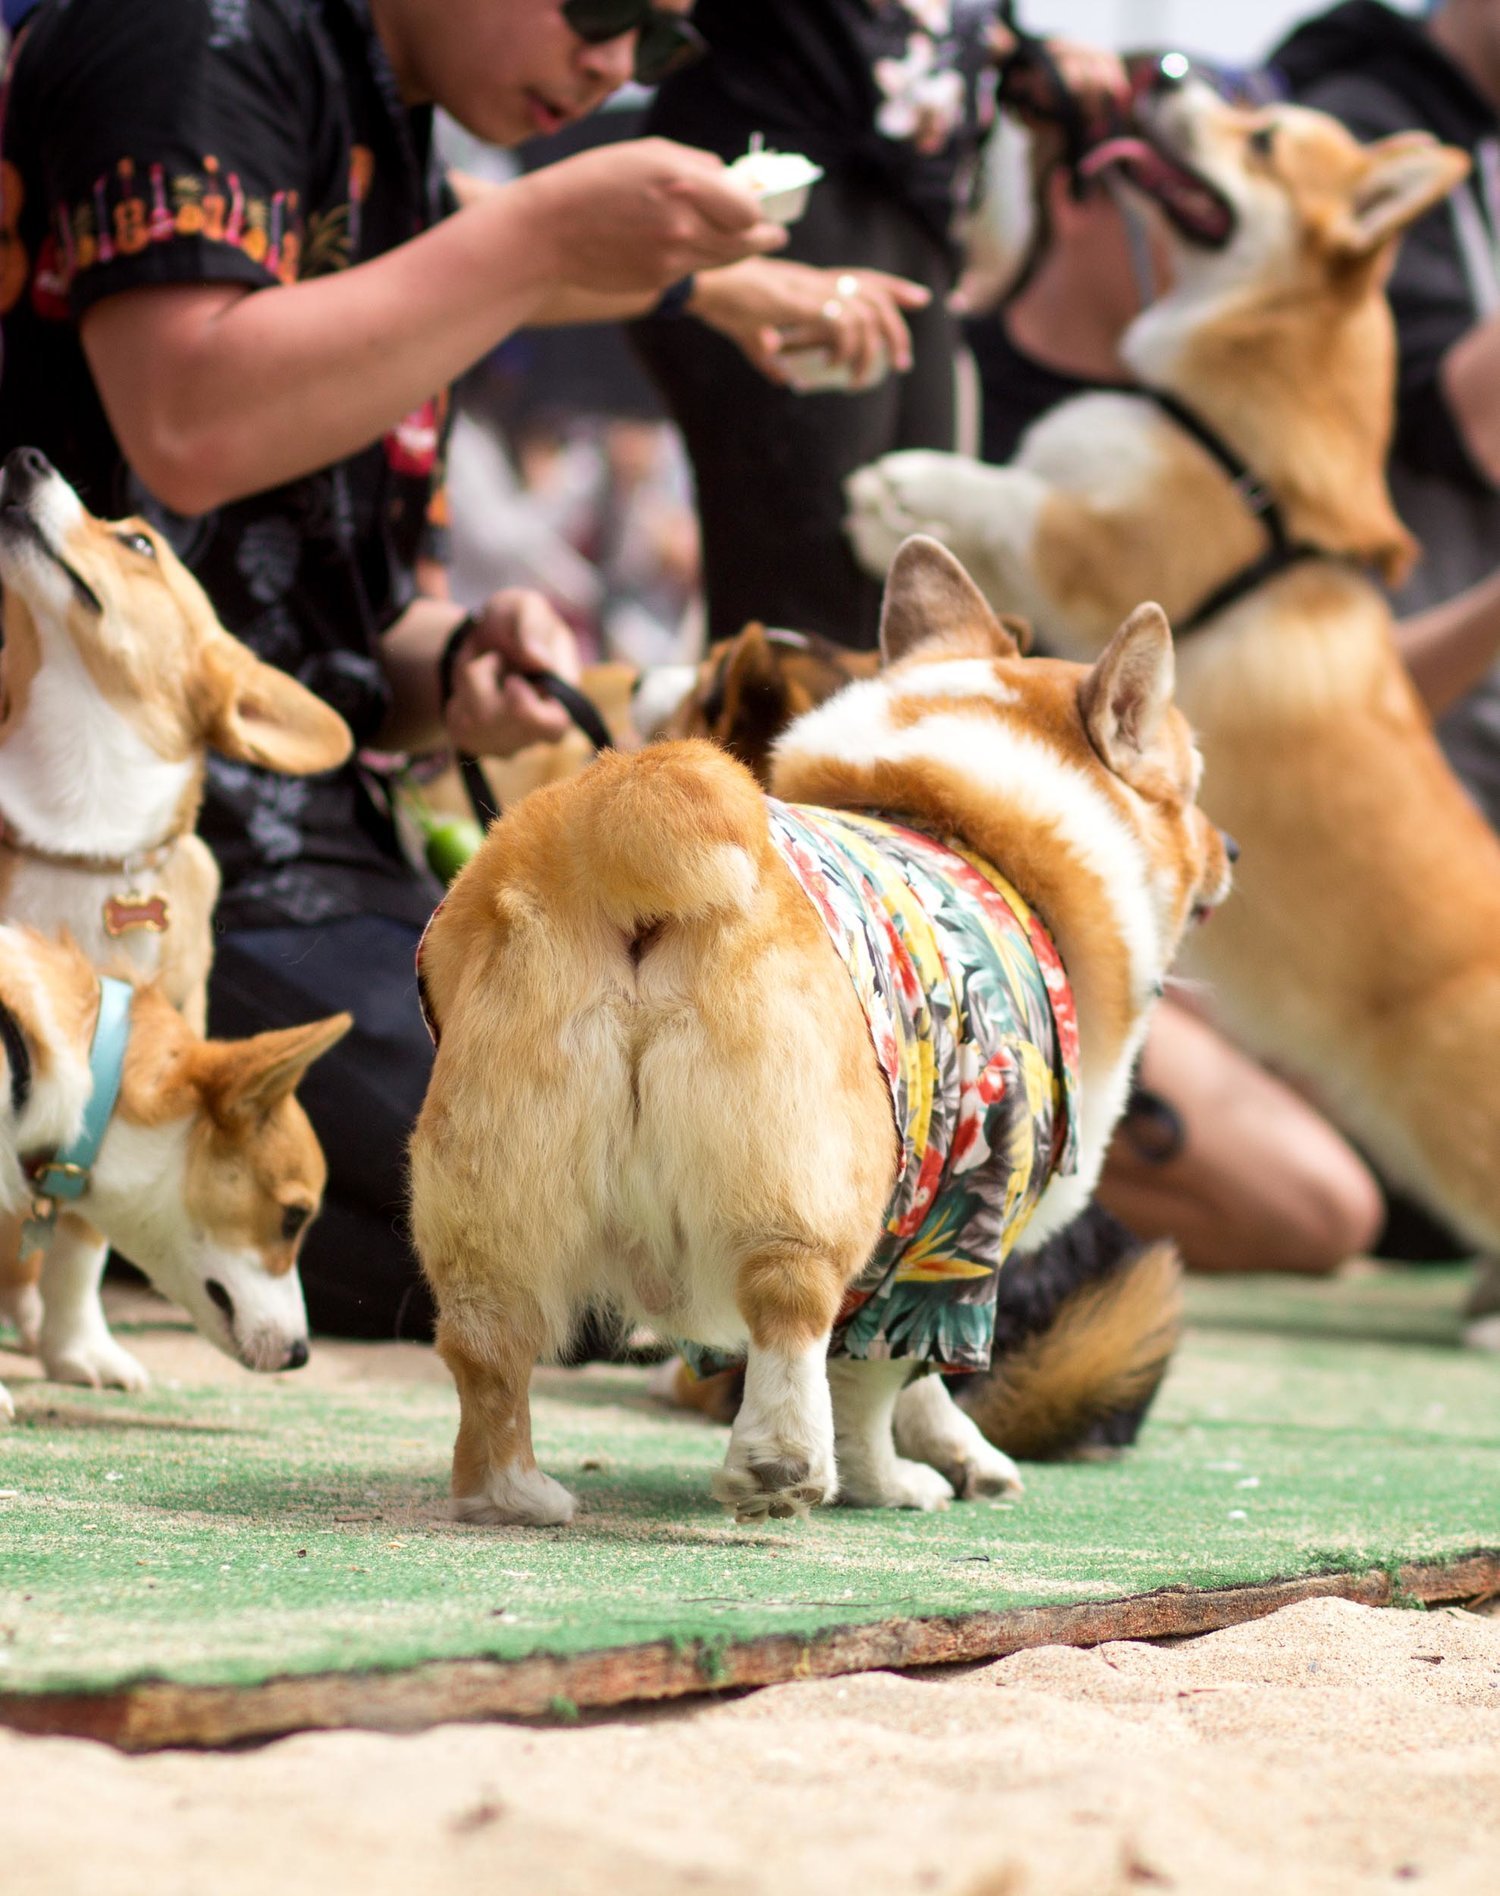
[
  {"x": 494, "y": 711},
  {"x": 769, "y": 306},
  {"x": 634, "y": 218}
]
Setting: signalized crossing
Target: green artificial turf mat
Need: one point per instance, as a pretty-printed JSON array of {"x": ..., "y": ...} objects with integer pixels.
[{"x": 228, "y": 1535}]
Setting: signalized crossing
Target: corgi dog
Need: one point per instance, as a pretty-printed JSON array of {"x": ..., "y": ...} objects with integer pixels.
[
  {"x": 1362, "y": 953},
  {"x": 1086, "y": 1324},
  {"x": 666, "y": 1082},
  {"x": 207, "y": 1174},
  {"x": 116, "y": 680}
]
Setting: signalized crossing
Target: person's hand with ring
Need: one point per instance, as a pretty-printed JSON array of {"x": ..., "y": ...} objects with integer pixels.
[{"x": 769, "y": 307}]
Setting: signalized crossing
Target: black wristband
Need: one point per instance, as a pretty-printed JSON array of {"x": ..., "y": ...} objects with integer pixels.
[
  {"x": 675, "y": 298},
  {"x": 448, "y": 657}
]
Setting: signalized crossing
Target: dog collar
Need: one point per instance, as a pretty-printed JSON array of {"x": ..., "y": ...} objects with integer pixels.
[
  {"x": 67, "y": 1176},
  {"x": 138, "y": 862},
  {"x": 125, "y": 914}
]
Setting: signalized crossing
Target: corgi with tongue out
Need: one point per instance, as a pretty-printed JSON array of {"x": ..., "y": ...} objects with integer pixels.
[{"x": 790, "y": 1077}]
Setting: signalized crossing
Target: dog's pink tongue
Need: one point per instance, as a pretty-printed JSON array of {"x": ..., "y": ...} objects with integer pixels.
[{"x": 1116, "y": 151}]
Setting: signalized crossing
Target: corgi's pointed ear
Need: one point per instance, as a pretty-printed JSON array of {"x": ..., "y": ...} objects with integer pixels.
[
  {"x": 246, "y": 1078},
  {"x": 1125, "y": 698},
  {"x": 930, "y": 598},
  {"x": 258, "y": 715},
  {"x": 1404, "y": 176}
]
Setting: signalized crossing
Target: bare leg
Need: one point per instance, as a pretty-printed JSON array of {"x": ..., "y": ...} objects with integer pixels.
[
  {"x": 75, "y": 1344},
  {"x": 495, "y": 1476},
  {"x": 931, "y": 1428},
  {"x": 1260, "y": 1182},
  {"x": 871, "y": 1473}
]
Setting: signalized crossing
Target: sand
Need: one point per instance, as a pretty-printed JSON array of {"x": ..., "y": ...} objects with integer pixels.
[{"x": 1329, "y": 1748}]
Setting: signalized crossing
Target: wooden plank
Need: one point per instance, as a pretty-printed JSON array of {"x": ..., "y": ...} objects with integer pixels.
[{"x": 157, "y": 1713}]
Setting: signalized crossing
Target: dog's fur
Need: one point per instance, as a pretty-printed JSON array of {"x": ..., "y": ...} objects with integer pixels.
[
  {"x": 207, "y": 1175},
  {"x": 117, "y": 679},
  {"x": 1363, "y": 952},
  {"x": 688, "y": 1122}
]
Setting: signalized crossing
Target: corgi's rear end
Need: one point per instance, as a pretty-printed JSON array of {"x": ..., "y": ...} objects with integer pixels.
[{"x": 633, "y": 942}]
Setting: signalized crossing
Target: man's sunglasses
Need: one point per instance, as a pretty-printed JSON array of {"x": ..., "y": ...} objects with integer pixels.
[{"x": 665, "y": 43}]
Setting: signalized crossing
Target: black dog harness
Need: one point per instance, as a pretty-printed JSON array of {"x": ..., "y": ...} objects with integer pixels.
[
  {"x": 1283, "y": 550},
  {"x": 18, "y": 1057}
]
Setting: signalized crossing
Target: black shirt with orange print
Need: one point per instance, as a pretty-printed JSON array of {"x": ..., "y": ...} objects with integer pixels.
[{"x": 259, "y": 142}]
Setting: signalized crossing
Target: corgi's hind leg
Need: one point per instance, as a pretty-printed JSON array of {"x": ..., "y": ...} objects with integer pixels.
[
  {"x": 871, "y": 1473},
  {"x": 930, "y": 1427},
  {"x": 495, "y": 1477},
  {"x": 75, "y": 1344},
  {"x": 780, "y": 1460}
]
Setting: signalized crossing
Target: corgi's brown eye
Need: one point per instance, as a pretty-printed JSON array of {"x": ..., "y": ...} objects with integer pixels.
[
  {"x": 1261, "y": 140},
  {"x": 138, "y": 543},
  {"x": 292, "y": 1220}
]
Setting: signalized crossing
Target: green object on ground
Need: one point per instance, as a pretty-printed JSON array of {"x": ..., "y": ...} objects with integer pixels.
[{"x": 233, "y": 1534}]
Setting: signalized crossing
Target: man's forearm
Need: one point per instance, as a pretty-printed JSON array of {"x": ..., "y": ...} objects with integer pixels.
[
  {"x": 411, "y": 650},
  {"x": 272, "y": 383},
  {"x": 1450, "y": 647},
  {"x": 1470, "y": 376}
]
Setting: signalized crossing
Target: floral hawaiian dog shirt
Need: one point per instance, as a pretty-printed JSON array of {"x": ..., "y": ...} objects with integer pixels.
[{"x": 972, "y": 1021}]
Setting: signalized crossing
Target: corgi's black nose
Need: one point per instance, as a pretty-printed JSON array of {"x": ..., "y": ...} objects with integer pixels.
[
  {"x": 1231, "y": 847},
  {"x": 25, "y": 470},
  {"x": 296, "y": 1356}
]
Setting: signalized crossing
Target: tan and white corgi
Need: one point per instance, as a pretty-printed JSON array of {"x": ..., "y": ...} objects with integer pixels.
[
  {"x": 1363, "y": 950},
  {"x": 206, "y": 1177},
  {"x": 116, "y": 679},
  {"x": 656, "y": 1085}
]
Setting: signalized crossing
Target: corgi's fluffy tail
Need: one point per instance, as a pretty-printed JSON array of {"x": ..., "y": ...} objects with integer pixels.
[
  {"x": 1076, "y": 1378},
  {"x": 580, "y": 872},
  {"x": 673, "y": 832}
]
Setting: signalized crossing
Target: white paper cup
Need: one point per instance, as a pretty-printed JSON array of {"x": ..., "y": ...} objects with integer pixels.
[
  {"x": 811, "y": 372},
  {"x": 780, "y": 180}
]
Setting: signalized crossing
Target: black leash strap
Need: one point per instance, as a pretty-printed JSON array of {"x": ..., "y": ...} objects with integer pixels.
[{"x": 582, "y": 710}]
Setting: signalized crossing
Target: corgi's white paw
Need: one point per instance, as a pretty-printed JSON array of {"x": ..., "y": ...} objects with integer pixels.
[
  {"x": 982, "y": 1470},
  {"x": 96, "y": 1362},
  {"x": 898, "y": 1484},
  {"x": 931, "y": 1428},
  {"x": 517, "y": 1497},
  {"x": 917, "y": 491},
  {"x": 22, "y": 1309},
  {"x": 1483, "y": 1333},
  {"x": 778, "y": 1480},
  {"x": 7, "y": 1407}
]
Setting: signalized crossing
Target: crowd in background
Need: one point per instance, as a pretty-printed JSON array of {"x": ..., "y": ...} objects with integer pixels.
[{"x": 657, "y": 480}]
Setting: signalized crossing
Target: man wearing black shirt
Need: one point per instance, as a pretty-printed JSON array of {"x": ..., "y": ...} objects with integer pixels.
[{"x": 228, "y": 291}]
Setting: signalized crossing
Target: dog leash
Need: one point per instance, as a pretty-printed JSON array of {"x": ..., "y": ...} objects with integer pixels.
[
  {"x": 583, "y": 712},
  {"x": 64, "y": 1178}
]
